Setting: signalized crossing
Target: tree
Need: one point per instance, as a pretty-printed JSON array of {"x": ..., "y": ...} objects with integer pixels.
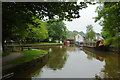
[
  {"x": 89, "y": 27},
  {"x": 82, "y": 33},
  {"x": 71, "y": 33},
  {"x": 75, "y": 32},
  {"x": 20, "y": 13},
  {"x": 110, "y": 12},
  {"x": 16, "y": 15},
  {"x": 57, "y": 30},
  {"x": 90, "y": 34},
  {"x": 37, "y": 30}
]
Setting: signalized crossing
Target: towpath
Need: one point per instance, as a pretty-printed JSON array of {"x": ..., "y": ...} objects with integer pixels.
[{"x": 10, "y": 57}]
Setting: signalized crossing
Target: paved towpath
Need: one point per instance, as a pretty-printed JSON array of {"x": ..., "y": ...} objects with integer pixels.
[{"x": 11, "y": 56}]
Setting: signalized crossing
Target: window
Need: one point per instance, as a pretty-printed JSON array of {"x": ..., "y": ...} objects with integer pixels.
[
  {"x": 91, "y": 44},
  {"x": 94, "y": 44}
]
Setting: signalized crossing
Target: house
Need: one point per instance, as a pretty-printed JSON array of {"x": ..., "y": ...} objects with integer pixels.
[
  {"x": 71, "y": 39},
  {"x": 79, "y": 39}
]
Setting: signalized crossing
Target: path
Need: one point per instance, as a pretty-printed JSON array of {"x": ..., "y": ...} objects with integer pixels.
[{"x": 11, "y": 56}]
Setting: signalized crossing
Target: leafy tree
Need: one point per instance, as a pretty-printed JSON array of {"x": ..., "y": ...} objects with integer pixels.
[
  {"x": 37, "y": 30},
  {"x": 17, "y": 14},
  {"x": 110, "y": 12},
  {"x": 89, "y": 27},
  {"x": 57, "y": 30},
  {"x": 90, "y": 34},
  {"x": 75, "y": 31},
  {"x": 82, "y": 33},
  {"x": 20, "y": 13},
  {"x": 71, "y": 33}
]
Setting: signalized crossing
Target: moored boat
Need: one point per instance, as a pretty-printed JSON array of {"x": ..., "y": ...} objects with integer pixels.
[
  {"x": 95, "y": 45},
  {"x": 66, "y": 42}
]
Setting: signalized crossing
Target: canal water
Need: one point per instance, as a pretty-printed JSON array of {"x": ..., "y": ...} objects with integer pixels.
[{"x": 72, "y": 62}]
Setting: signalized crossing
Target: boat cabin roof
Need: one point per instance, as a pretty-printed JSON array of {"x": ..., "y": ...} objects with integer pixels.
[{"x": 91, "y": 42}]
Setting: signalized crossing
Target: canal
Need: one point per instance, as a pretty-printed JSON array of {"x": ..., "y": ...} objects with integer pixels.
[{"x": 71, "y": 62}]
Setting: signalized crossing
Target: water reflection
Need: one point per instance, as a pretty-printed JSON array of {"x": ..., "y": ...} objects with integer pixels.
[
  {"x": 111, "y": 68},
  {"x": 60, "y": 46},
  {"x": 50, "y": 50},
  {"x": 92, "y": 55},
  {"x": 71, "y": 62},
  {"x": 57, "y": 58},
  {"x": 70, "y": 48}
]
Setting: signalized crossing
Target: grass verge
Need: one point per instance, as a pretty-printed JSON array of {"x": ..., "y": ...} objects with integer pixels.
[
  {"x": 28, "y": 56},
  {"x": 35, "y": 44}
]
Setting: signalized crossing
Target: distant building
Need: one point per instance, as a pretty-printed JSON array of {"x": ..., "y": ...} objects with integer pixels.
[
  {"x": 79, "y": 38},
  {"x": 71, "y": 38},
  {"x": 75, "y": 38}
]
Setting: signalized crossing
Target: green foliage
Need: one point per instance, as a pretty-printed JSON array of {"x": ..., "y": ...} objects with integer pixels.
[
  {"x": 89, "y": 27},
  {"x": 75, "y": 33},
  {"x": 87, "y": 36},
  {"x": 37, "y": 30},
  {"x": 90, "y": 34},
  {"x": 111, "y": 23},
  {"x": 16, "y": 14},
  {"x": 71, "y": 33},
  {"x": 57, "y": 30},
  {"x": 41, "y": 43},
  {"x": 82, "y": 33}
]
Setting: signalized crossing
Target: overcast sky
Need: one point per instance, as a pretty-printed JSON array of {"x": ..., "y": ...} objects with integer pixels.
[{"x": 86, "y": 18}]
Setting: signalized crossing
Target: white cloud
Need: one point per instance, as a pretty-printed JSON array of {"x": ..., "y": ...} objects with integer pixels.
[{"x": 86, "y": 18}]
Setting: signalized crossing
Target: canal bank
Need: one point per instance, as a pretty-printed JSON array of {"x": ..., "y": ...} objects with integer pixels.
[
  {"x": 35, "y": 44},
  {"x": 21, "y": 47},
  {"x": 16, "y": 64},
  {"x": 108, "y": 49},
  {"x": 72, "y": 62}
]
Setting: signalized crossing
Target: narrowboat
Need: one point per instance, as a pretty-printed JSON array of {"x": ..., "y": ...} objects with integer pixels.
[
  {"x": 80, "y": 44},
  {"x": 66, "y": 42},
  {"x": 95, "y": 45}
]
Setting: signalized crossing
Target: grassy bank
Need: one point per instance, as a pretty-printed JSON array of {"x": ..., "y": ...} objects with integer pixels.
[
  {"x": 34, "y": 44},
  {"x": 28, "y": 56}
]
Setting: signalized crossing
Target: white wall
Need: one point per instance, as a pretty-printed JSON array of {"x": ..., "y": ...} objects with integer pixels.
[{"x": 79, "y": 38}]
